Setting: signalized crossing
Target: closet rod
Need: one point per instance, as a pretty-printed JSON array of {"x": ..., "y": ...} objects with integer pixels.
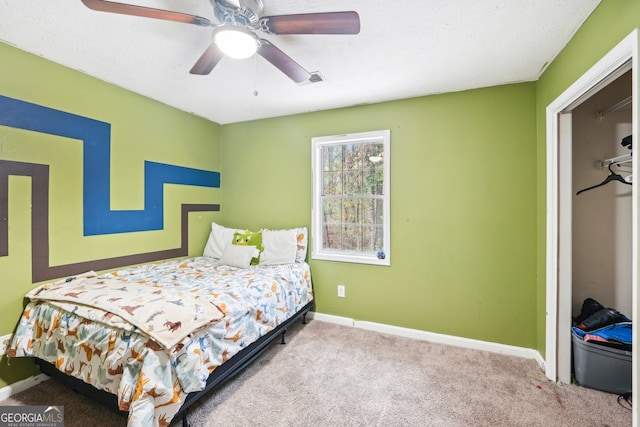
[
  {"x": 615, "y": 107},
  {"x": 620, "y": 159}
]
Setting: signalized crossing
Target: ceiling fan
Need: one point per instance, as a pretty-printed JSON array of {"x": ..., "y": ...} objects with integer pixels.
[{"x": 235, "y": 26}]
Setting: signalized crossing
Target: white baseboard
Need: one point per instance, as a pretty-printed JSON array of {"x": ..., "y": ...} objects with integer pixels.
[
  {"x": 8, "y": 391},
  {"x": 510, "y": 350},
  {"x": 330, "y": 318}
]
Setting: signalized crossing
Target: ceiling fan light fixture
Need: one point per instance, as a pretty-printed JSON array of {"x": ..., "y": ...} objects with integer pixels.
[{"x": 236, "y": 42}]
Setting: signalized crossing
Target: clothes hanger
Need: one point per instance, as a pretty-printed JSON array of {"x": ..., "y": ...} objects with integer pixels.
[{"x": 611, "y": 177}]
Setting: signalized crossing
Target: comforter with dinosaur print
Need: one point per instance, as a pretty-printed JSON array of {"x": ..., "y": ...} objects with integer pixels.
[
  {"x": 166, "y": 315},
  {"x": 151, "y": 380}
]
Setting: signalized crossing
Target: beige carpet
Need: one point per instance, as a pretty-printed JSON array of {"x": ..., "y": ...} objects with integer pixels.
[{"x": 331, "y": 375}]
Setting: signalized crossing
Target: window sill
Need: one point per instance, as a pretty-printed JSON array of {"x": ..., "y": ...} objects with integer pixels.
[{"x": 353, "y": 258}]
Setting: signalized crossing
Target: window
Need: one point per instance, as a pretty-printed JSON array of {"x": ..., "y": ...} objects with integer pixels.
[{"x": 350, "y": 214}]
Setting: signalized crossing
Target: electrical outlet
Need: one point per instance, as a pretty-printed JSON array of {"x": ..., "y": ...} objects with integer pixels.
[
  {"x": 4, "y": 344},
  {"x": 341, "y": 291}
]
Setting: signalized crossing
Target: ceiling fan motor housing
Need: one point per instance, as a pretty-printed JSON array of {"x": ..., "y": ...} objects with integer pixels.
[{"x": 238, "y": 12}]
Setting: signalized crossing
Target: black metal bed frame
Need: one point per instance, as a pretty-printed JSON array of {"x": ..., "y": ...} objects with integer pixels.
[{"x": 218, "y": 377}]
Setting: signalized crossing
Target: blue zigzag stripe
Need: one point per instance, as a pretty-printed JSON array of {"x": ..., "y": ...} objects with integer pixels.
[{"x": 96, "y": 137}]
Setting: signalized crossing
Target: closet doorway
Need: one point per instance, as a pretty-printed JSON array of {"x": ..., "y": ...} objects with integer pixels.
[{"x": 585, "y": 126}]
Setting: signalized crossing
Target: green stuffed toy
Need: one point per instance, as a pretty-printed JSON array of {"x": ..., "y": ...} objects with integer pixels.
[{"x": 249, "y": 238}]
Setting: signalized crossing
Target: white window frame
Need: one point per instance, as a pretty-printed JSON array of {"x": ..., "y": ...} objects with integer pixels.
[{"x": 317, "y": 250}]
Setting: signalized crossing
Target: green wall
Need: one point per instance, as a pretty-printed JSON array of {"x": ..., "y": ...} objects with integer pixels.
[
  {"x": 141, "y": 129},
  {"x": 611, "y": 22},
  {"x": 463, "y": 213}
]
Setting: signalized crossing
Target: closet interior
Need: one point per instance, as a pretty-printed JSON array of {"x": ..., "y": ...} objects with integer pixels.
[
  {"x": 602, "y": 201},
  {"x": 601, "y": 220}
]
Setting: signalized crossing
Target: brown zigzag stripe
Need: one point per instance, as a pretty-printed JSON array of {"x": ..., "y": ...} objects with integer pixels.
[{"x": 40, "y": 268}]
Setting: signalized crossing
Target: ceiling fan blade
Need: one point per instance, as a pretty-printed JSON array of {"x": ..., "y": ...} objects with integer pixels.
[
  {"x": 207, "y": 61},
  {"x": 147, "y": 12},
  {"x": 313, "y": 23},
  {"x": 283, "y": 62}
]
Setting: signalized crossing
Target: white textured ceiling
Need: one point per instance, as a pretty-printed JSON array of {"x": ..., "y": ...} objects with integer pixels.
[{"x": 406, "y": 48}]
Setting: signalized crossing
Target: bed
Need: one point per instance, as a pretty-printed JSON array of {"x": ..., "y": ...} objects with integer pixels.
[{"x": 152, "y": 339}]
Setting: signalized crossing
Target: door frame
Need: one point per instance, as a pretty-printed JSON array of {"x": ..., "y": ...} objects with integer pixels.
[{"x": 621, "y": 58}]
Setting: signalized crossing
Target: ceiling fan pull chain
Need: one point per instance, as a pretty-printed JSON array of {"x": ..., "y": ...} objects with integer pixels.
[{"x": 255, "y": 75}]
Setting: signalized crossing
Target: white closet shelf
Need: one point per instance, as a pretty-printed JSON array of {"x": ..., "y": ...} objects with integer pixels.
[
  {"x": 615, "y": 107},
  {"x": 620, "y": 159}
]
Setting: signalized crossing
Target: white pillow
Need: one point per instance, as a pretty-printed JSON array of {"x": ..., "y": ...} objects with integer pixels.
[
  {"x": 280, "y": 246},
  {"x": 218, "y": 239},
  {"x": 238, "y": 255}
]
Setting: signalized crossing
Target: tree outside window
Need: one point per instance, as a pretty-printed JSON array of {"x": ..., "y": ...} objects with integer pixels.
[{"x": 351, "y": 198}]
